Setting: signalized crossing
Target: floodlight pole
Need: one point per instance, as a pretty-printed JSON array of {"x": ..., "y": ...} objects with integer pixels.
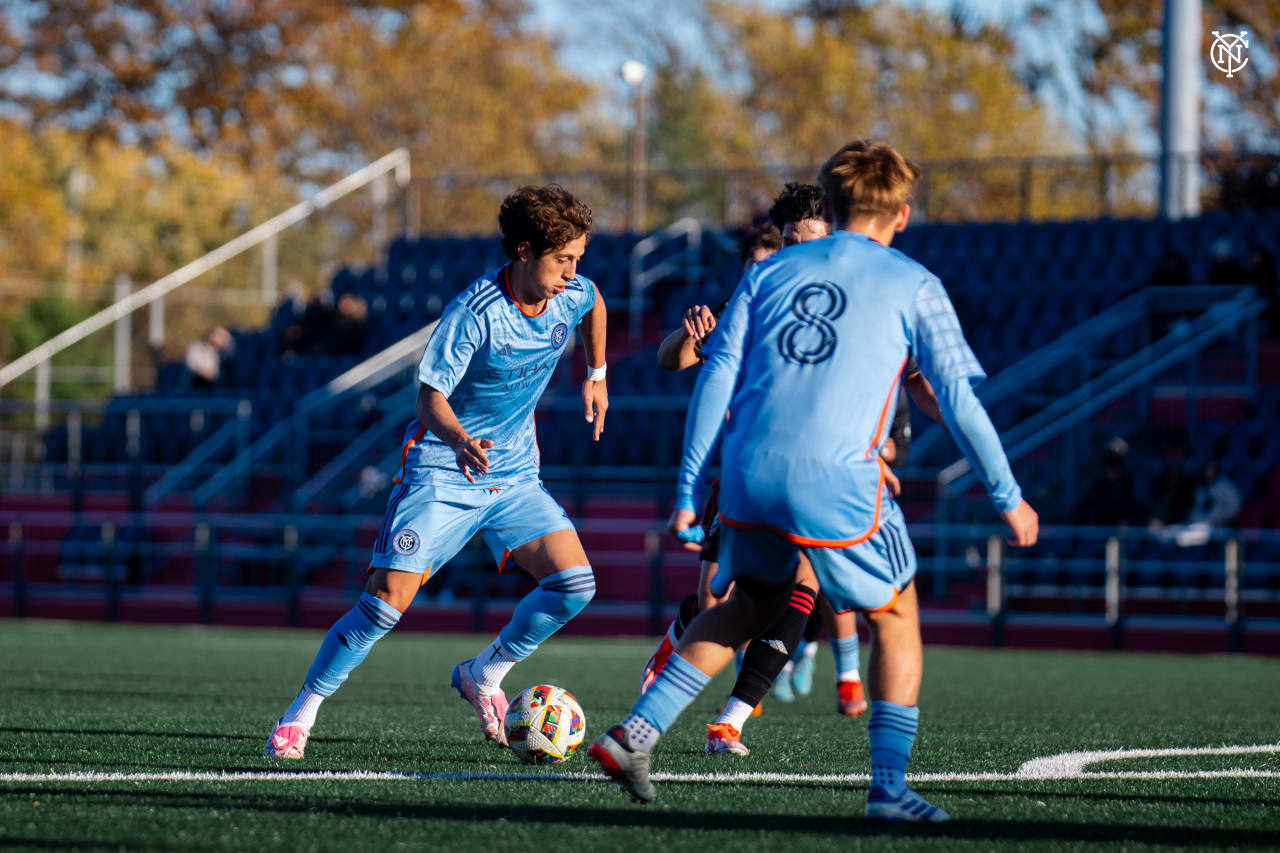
[
  {"x": 633, "y": 74},
  {"x": 1180, "y": 111}
]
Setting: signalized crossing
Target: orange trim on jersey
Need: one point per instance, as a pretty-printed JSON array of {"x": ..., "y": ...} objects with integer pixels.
[
  {"x": 884, "y": 410},
  {"x": 506, "y": 286},
  {"x": 807, "y": 542},
  {"x": 404, "y": 454}
]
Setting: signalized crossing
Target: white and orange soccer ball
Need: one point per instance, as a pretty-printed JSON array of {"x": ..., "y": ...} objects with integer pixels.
[{"x": 544, "y": 725}]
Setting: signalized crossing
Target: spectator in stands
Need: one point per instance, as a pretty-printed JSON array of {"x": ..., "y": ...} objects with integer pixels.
[
  {"x": 349, "y": 329},
  {"x": 204, "y": 357},
  {"x": 310, "y": 333},
  {"x": 1110, "y": 501},
  {"x": 1217, "y": 500},
  {"x": 1172, "y": 269},
  {"x": 1172, "y": 493}
]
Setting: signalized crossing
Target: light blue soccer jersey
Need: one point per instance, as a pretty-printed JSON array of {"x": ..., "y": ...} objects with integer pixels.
[
  {"x": 807, "y": 361},
  {"x": 492, "y": 361}
]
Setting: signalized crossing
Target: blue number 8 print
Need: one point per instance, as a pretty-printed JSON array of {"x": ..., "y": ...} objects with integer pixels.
[{"x": 816, "y": 305}]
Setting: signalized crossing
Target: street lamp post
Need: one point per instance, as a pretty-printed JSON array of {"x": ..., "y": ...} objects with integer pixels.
[{"x": 633, "y": 74}]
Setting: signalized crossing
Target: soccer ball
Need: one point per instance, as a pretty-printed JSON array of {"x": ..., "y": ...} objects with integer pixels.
[{"x": 544, "y": 725}]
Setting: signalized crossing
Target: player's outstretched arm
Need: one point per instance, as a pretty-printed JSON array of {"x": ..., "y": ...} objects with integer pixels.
[
  {"x": 679, "y": 349},
  {"x": 595, "y": 395},
  {"x": 435, "y": 413},
  {"x": 952, "y": 369}
]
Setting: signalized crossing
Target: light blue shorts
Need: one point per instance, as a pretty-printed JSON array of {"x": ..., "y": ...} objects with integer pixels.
[
  {"x": 426, "y": 525},
  {"x": 866, "y": 576}
]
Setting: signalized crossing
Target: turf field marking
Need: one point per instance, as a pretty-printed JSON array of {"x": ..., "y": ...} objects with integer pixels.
[
  {"x": 761, "y": 778},
  {"x": 1070, "y": 765}
]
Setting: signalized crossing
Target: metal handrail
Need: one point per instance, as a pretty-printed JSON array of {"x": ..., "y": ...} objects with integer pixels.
[
  {"x": 1037, "y": 363},
  {"x": 1070, "y": 409},
  {"x": 642, "y": 279},
  {"x": 369, "y": 372},
  {"x": 397, "y": 161},
  {"x": 199, "y": 455}
]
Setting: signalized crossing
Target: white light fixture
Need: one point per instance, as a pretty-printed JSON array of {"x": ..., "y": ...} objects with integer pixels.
[{"x": 634, "y": 72}]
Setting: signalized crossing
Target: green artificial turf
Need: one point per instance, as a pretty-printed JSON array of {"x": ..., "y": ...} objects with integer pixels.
[{"x": 128, "y": 699}]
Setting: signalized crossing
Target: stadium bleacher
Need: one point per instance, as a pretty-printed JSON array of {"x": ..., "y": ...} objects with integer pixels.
[{"x": 1016, "y": 287}]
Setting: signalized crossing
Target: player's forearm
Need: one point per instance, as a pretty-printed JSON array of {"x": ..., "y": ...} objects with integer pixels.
[
  {"x": 973, "y": 431},
  {"x": 593, "y": 329},
  {"x": 435, "y": 413},
  {"x": 677, "y": 351},
  {"x": 923, "y": 396},
  {"x": 702, "y": 425}
]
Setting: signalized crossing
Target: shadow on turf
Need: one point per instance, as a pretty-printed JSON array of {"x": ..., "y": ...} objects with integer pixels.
[
  {"x": 1126, "y": 797},
  {"x": 664, "y": 819}
]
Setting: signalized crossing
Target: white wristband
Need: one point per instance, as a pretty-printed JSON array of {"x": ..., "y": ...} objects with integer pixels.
[{"x": 596, "y": 374}]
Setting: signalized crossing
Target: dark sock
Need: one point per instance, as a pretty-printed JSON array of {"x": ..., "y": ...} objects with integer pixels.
[
  {"x": 769, "y": 652},
  {"x": 813, "y": 628},
  {"x": 688, "y": 612}
]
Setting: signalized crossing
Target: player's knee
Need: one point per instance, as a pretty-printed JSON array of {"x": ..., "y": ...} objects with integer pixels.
[{"x": 573, "y": 588}]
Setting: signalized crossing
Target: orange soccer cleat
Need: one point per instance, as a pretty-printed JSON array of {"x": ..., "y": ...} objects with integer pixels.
[
  {"x": 723, "y": 738},
  {"x": 850, "y": 700}
]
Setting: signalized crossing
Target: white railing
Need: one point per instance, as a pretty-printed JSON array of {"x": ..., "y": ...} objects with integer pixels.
[
  {"x": 641, "y": 279},
  {"x": 396, "y": 163}
]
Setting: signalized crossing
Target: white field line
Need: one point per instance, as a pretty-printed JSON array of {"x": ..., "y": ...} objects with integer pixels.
[{"x": 1066, "y": 766}]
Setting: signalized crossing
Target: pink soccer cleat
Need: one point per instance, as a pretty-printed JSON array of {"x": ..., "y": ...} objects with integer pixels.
[
  {"x": 490, "y": 707},
  {"x": 288, "y": 740}
]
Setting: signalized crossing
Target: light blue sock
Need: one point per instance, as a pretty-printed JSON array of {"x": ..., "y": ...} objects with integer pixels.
[
  {"x": 348, "y": 641},
  {"x": 675, "y": 687},
  {"x": 845, "y": 650},
  {"x": 738, "y": 657},
  {"x": 893, "y": 731},
  {"x": 545, "y": 610}
]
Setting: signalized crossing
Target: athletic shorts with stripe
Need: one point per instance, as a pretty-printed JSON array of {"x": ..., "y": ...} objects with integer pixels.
[
  {"x": 426, "y": 525},
  {"x": 866, "y": 576}
]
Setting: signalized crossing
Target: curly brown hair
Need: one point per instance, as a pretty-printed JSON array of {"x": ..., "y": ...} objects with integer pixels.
[{"x": 545, "y": 217}]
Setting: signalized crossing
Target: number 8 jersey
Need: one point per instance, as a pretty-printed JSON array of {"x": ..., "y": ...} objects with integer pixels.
[{"x": 808, "y": 357}]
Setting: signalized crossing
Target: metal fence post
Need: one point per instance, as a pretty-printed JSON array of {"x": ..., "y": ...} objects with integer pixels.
[
  {"x": 1115, "y": 592},
  {"x": 121, "y": 372},
  {"x": 43, "y": 381},
  {"x": 203, "y": 572},
  {"x": 155, "y": 324},
  {"x": 653, "y": 548},
  {"x": 996, "y": 594},
  {"x": 19, "y": 573},
  {"x": 1231, "y": 595},
  {"x": 112, "y": 582},
  {"x": 270, "y": 270},
  {"x": 75, "y": 470},
  {"x": 292, "y": 566}
]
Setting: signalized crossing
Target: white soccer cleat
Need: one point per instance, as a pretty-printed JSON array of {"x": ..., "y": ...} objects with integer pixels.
[
  {"x": 490, "y": 707},
  {"x": 906, "y": 807},
  {"x": 288, "y": 740},
  {"x": 724, "y": 739}
]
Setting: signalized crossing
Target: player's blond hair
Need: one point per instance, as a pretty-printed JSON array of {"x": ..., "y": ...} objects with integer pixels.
[{"x": 867, "y": 178}]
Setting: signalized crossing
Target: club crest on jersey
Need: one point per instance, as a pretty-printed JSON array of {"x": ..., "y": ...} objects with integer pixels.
[
  {"x": 558, "y": 334},
  {"x": 405, "y": 542}
]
